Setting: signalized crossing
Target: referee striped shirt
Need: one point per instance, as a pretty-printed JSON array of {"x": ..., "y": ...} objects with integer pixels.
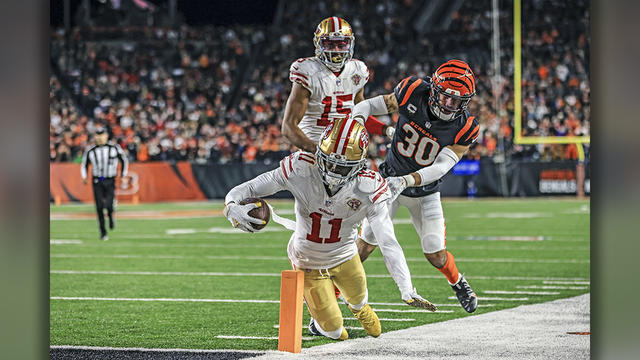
[{"x": 104, "y": 161}]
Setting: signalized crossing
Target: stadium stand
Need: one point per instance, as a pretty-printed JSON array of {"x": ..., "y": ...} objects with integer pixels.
[{"x": 215, "y": 94}]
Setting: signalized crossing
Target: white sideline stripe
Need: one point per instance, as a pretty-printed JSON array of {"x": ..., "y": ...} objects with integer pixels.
[
  {"x": 509, "y": 292},
  {"x": 276, "y": 326},
  {"x": 163, "y": 299},
  {"x": 555, "y": 282},
  {"x": 403, "y": 304},
  {"x": 495, "y": 298},
  {"x": 108, "y": 348},
  {"x": 284, "y": 258},
  {"x": 255, "y": 337},
  {"x": 383, "y": 319},
  {"x": 509, "y": 215},
  {"x": 412, "y": 311},
  {"x": 64, "y": 241},
  {"x": 551, "y": 287},
  {"x": 478, "y": 277}
]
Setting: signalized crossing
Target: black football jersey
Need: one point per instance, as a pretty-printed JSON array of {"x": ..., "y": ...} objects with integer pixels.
[{"x": 420, "y": 135}]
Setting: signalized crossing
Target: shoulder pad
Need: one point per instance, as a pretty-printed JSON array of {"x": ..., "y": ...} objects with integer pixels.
[
  {"x": 298, "y": 163},
  {"x": 408, "y": 87},
  {"x": 373, "y": 185},
  {"x": 469, "y": 131},
  {"x": 361, "y": 68},
  {"x": 301, "y": 71}
]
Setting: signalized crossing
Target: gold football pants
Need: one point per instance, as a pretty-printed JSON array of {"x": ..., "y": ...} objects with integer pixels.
[{"x": 348, "y": 277}]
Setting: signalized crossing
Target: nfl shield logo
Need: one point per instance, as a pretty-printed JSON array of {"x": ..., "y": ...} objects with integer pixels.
[
  {"x": 328, "y": 203},
  {"x": 338, "y": 82}
]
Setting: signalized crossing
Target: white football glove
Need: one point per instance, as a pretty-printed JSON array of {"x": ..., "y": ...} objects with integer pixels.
[
  {"x": 413, "y": 299},
  {"x": 397, "y": 184},
  {"x": 390, "y": 131},
  {"x": 239, "y": 216}
]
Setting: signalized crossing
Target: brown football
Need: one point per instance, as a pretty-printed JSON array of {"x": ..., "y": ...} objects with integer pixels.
[{"x": 262, "y": 212}]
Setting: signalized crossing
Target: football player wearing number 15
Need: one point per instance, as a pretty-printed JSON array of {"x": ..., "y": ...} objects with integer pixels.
[
  {"x": 333, "y": 194},
  {"x": 434, "y": 131},
  {"x": 326, "y": 86}
]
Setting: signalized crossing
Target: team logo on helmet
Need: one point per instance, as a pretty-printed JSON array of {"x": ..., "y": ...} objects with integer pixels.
[
  {"x": 364, "y": 140},
  {"x": 327, "y": 130}
]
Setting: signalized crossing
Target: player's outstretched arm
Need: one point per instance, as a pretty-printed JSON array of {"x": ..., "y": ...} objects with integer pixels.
[
  {"x": 373, "y": 125},
  {"x": 293, "y": 113},
  {"x": 379, "y": 105},
  {"x": 446, "y": 159},
  {"x": 263, "y": 185},
  {"x": 393, "y": 256}
]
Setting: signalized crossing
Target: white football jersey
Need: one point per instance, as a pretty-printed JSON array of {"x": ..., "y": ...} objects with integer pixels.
[
  {"x": 331, "y": 96},
  {"x": 326, "y": 226}
]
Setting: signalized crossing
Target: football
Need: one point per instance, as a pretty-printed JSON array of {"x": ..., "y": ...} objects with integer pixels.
[{"x": 262, "y": 212}]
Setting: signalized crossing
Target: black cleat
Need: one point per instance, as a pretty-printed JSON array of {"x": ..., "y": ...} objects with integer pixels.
[
  {"x": 465, "y": 294},
  {"x": 312, "y": 328}
]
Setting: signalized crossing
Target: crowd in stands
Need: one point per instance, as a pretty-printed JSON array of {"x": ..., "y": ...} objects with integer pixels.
[{"x": 217, "y": 94}]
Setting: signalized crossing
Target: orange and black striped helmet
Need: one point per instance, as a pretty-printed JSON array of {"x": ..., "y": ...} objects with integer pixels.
[{"x": 453, "y": 86}]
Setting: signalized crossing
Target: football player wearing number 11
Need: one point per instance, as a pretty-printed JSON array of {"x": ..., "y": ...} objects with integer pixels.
[
  {"x": 333, "y": 194},
  {"x": 434, "y": 131}
]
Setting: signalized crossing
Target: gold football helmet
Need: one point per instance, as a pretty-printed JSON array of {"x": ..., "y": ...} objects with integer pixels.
[
  {"x": 334, "y": 42},
  {"x": 342, "y": 151}
]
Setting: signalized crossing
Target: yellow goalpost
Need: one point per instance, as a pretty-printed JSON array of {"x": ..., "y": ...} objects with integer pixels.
[{"x": 517, "y": 108}]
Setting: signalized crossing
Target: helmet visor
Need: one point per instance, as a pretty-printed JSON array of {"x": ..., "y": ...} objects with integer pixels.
[{"x": 335, "y": 44}]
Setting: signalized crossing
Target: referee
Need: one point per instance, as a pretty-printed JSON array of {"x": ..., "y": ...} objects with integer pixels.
[{"x": 104, "y": 158}]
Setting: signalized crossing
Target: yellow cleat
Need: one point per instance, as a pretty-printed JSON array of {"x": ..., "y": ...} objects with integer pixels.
[
  {"x": 368, "y": 319},
  {"x": 344, "y": 335}
]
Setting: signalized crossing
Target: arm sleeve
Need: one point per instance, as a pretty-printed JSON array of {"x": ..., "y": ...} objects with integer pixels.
[
  {"x": 263, "y": 185},
  {"x": 392, "y": 253},
  {"x": 373, "y": 106},
  {"x": 85, "y": 164},
  {"x": 445, "y": 160},
  {"x": 124, "y": 160}
]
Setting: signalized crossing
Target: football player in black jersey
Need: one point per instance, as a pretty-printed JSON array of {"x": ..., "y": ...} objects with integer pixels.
[{"x": 434, "y": 131}]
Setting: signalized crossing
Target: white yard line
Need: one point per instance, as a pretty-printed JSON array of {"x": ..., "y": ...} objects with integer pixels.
[
  {"x": 556, "y": 282},
  {"x": 412, "y": 311},
  {"x": 284, "y": 258},
  {"x": 509, "y": 292},
  {"x": 237, "y": 337},
  {"x": 74, "y": 298},
  {"x": 184, "y": 273},
  {"x": 276, "y": 326},
  {"x": 385, "y": 319},
  {"x": 494, "y": 298},
  {"x": 64, "y": 242},
  {"x": 551, "y": 287},
  {"x": 109, "y": 348}
]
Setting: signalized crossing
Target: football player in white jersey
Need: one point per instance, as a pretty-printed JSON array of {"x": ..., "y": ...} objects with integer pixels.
[
  {"x": 326, "y": 86},
  {"x": 333, "y": 194}
]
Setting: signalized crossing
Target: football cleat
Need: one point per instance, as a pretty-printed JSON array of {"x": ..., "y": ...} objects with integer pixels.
[
  {"x": 104, "y": 237},
  {"x": 312, "y": 328},
  {"x": 468, "y": 299},
  {"x": 368, "y": 319},
  {"x": 344, "y": 335}
]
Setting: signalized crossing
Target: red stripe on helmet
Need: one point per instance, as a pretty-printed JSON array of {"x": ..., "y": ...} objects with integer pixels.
[
  {"x": 335, "y": 147},
  {"x": 346, "y": 139}
]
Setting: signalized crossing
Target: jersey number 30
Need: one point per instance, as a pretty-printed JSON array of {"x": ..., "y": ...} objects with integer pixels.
[{"x": 421, "y": 148}]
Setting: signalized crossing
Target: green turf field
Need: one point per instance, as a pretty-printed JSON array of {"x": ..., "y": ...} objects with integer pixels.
[{"x": 158, "y": 283}]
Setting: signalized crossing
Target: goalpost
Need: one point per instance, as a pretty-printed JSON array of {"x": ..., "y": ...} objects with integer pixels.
[{"x": 579, "y": 141}]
